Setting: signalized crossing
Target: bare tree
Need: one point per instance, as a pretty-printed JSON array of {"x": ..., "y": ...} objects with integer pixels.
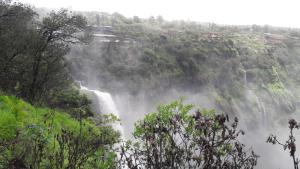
[{"x": 290, "y": 144}]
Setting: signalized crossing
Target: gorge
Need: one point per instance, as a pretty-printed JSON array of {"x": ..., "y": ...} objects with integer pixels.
[{"x": 101, "y": 90}]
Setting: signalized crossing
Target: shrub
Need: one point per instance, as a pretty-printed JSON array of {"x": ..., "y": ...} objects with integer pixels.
[
  {"x": 43, "y": 138},
  {"x": 174, "y": 138}
]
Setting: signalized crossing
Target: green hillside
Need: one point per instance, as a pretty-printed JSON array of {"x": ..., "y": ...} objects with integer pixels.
[
  {"x": 34, "y": 137},
  {"x": 228, "y": 62}
]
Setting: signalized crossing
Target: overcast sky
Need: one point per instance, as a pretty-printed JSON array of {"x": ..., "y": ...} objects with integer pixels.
[{"x": 240, "y": 12}]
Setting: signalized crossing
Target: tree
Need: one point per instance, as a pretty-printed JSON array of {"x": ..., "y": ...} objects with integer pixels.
[
  {"x": 55, "y": 33},
  {"x": 15, "y": 34},
  {"x": 174, "y": 138},
  {"x": 290, "y": 144},
  {"x": 32, "y": 63}
]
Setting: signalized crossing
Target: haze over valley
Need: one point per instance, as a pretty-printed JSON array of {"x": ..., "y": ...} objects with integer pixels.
[{"x": 151, "y": 88}]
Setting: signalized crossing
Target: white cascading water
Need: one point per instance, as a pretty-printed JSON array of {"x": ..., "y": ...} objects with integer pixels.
[
  {"x": 261, "y": 108},
  {"x": 260, "y": 104},
  {"x": 107, "y": 106}
]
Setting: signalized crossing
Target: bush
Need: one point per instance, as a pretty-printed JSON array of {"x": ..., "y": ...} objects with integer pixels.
[
  {"x": 71, "y": 101},
  {"x": 43, "y": 138},
  {"x": 174, "y": 138}
]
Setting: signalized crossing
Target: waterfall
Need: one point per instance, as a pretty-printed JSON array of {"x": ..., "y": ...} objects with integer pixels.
[
  {"x": 107, "y": 106},
  {"x": 245, "y": 77},
  {"x": 261, "y": 108},
  {"x": 262, "y": 111},
  {"x": 260, "y": 104}
]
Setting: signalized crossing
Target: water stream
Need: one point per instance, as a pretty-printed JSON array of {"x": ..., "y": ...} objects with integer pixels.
[
  {"x": 107, "y": 106},
  {"x": 260, "y": 104}
]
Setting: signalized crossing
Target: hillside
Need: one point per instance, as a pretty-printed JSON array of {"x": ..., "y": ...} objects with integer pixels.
[
  {"x": 250, "y": 69},
  {"x": 80, "y": 90},
  {"x": 34, "y": 137}
]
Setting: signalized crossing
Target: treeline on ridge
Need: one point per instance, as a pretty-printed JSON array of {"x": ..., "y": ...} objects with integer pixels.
[{"x": 67, "y": 135}]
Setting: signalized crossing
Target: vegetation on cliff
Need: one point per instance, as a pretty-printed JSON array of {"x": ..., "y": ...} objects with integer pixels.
[
  {"x": 45, "y": 122},
  {"x": 32, "y": 137},
  {"x": 155, "y": 55}
]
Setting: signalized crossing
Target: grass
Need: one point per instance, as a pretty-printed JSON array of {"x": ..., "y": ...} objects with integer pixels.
[{"x": 17, "y": 115}]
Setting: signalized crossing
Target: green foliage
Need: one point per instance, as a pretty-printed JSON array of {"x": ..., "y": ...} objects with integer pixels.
[
  {"x": 41, "y": 138},
  {"x": 174, "y": 138},
  {"x": 72, "y": 101},
  {"x": 163, "y": 116},
  {"x": 155, "y": 55},
  {"x": 32, "y": 63},
  {"x": 276, "y": 88}
]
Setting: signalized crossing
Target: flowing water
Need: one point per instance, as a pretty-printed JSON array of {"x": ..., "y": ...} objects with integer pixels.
[
  {"x": 259, "y": 103},
  {"x": 107, "y": 106},
  {"x": 263, "y": 116}
]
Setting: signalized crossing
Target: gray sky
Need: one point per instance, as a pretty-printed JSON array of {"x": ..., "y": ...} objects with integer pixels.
[{"x": 273, "y": 12}]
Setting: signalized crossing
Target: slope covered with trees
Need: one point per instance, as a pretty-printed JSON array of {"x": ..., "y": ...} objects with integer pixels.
[
  {"x": 33, "y": 67},
  {"x": 46, "y": 122},
  {"x": 246, "y": 69}
]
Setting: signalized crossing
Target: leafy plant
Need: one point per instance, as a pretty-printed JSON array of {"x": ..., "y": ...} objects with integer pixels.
[
  {"x": 174, "y": 138},
  {"x": 43, "y": 138}
]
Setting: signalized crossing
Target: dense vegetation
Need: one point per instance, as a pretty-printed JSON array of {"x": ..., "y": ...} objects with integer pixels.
[
  {"x": 33, "y": 137},
  {"x": 172, "y": 137},
  {"x": 43, "y": 138},
  {"x": 45, "y": 122},
  {"x": 155, "y": 55},
  {"x": 33, "y": 67},
  {"x": 32, "y": 63}
]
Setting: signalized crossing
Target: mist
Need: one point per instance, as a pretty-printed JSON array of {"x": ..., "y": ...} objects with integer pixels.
[
  {"x": 133, "y": 106},
  {"x": 254, "y": 78},
  {"x": 132, "y": 84}
]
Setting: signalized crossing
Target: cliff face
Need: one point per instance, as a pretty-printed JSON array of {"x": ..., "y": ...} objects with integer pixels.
[{"x": 251, "y": 70}]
